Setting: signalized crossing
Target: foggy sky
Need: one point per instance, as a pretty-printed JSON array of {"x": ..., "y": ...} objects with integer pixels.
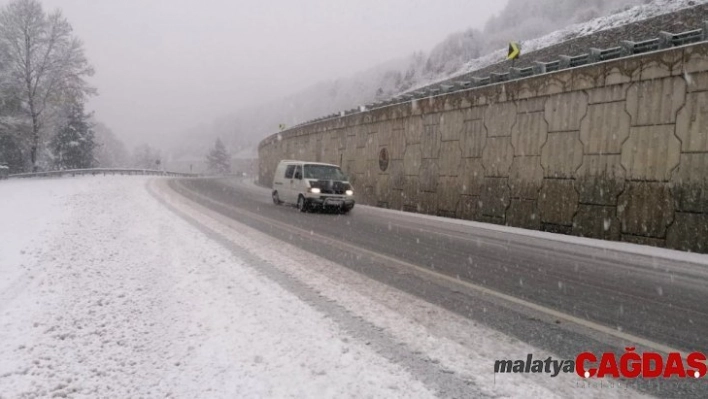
[{"x": 164, "y": 66}]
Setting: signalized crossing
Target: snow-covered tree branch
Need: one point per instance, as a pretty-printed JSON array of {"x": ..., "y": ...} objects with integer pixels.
[{"x": 44, "y": 65}]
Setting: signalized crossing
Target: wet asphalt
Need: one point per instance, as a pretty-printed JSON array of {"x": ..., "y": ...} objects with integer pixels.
[{"x": 661, "y": 300}]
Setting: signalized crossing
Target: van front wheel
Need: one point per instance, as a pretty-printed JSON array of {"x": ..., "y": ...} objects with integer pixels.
[
  {"x": 276, "y": 198},
  {"x": 302, "y": 204}
]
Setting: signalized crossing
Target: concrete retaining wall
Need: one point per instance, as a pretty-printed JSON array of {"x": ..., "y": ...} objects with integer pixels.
[{"x": 617, "y": 151}]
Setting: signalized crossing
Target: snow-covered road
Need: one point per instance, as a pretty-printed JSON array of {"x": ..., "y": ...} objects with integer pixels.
[{"x": 105, "y": 292}]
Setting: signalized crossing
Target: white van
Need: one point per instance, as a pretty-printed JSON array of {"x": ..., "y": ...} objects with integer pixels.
[{"x": 312, "y": 185}]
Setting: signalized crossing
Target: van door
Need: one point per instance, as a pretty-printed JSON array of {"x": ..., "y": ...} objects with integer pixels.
[
  {"x": 296, "y": 184},
  {"x": 286, "y": 195}
]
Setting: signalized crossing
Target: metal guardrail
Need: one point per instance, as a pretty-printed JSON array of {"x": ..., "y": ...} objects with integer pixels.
[
  {"x": 100, "y": 171},
  {"x": 641, "y": 47},
  {"x": 627, "y": 48},
  {"x": 599, "y": 55}
]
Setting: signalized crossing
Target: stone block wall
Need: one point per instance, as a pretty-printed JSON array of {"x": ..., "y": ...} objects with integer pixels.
[{"x": 617, "y": 151}]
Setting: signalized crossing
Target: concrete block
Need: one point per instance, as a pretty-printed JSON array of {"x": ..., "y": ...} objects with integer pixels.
[
  {"x": 600, "y": 179},
  {"x": 645, "y": 209},
  {"x": 662, "y": 64},
  {"x": 501, "y": 221},
  {"x": 467, "y": 207},
  {"x": 555, "y": 83},
  {"x": 450, "y": 158},
  {"x": 537, "y": 104},
  {"x": 651, "y": 153},
  {"x": 690, "y": 183},
  {"x": 429, "y": 174},
  {"x": 524, "y": 214},
  {"x": 474, "y": 113},
  {"x": 520, "y": 90},
  {"x": 411, "y": 194},
  {"x": 362, "y": 134},
  {"x": 398, "y": 144},
  {"x": 428, "y": 203},
  {"x": 529, "y": 134},
  {"x": 499, "y": 118},
  {"x": 385, "y": 129},
  {"x": 396, "y": 200},
  {"x": 397, "y": 173},
  {"x": 608, "y": 94},
  {"x": 558, "y": 202},
  {"x": 562, "y": 155},
  {"x": 697, "y": 81},
  {"x": 430, "y": 148},
  {"x": 498, "y": 156},
  {"x": 367, "y": 196},
  {"x": 473, "y": 139},
  {"x": 372, "y": 147},
  {"x": 495, "y": 198},
  {"x": 692, "y": 123},
  {"x": 384, "y": 189},
  {"x": 471, "y": 176},
  {"x": 656, "y": 102},
  {"x": 695, "y": 58},
  {"x": 565, "y": 111},
  {"x": 588, "y": 77},
  {"x": 372, "y": 171},
  {"x": 597, "y": 222},
  {"x": 411, "y": 160},
  {"x": 448, "y": 194},
  {"x": 359, "y": 160},
  {"x": 556, "y": 228},
  {"x": 526, "y": 177},
  {"x": 605, "y": 128},
  {"x": 623, "y": 71},
  {"x": 648, "y": 241},
  {"x": 452, "y": 125},
  {"x": 414, "y": 129},
  {"x": 689, "y": 232}
]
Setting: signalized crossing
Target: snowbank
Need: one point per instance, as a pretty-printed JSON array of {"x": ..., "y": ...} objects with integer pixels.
[{"x": 119, "y": 298}]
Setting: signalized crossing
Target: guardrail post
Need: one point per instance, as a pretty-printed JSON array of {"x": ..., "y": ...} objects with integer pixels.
[
  {"x": 514, "y": 73},
  {"x": 628, "y": 46},
  {"x": 595, "y": 55},
  {"x": 564, "y": 62},
  {"x": 666, "y": 40},
  {"x": 539, "y": 67}
]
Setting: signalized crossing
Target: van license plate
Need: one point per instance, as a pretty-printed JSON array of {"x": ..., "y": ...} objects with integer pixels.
[{"x": 335, "y": 202}]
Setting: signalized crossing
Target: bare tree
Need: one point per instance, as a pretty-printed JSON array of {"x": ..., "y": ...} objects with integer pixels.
[{"x": 45, "y": 64}]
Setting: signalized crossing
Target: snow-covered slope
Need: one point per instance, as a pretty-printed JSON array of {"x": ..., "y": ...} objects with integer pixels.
[{"x": 631, "y": 15}]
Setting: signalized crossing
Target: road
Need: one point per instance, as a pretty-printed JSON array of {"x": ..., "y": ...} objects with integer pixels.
[{"x": 563, "y": 297}]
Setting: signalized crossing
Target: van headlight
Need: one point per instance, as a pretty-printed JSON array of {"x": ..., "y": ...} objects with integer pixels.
[
  {"x": 349, "y": 192},
  {"x": 315, "y": 190}
]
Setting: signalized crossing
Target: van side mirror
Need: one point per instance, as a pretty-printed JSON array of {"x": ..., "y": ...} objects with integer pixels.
[{"x": 298, "y": 175}]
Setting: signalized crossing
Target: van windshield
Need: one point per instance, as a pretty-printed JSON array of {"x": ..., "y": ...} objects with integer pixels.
[{"x": 324, "y": 172}]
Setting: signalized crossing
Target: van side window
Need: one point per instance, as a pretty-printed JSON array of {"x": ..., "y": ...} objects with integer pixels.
[
  {"x": 289, "y": 171},
  {"x": 298, "y": 172}
]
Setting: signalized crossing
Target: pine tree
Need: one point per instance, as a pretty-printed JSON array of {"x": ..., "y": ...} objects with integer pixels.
[
  {"x": 218, "y": 159},
  {"x": 74, "y": 144}
]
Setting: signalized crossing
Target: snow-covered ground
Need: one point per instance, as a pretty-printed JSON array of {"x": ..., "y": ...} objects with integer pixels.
[
  {"x": 120, "y": 298},
  {"x": 106, "y": 292}
]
